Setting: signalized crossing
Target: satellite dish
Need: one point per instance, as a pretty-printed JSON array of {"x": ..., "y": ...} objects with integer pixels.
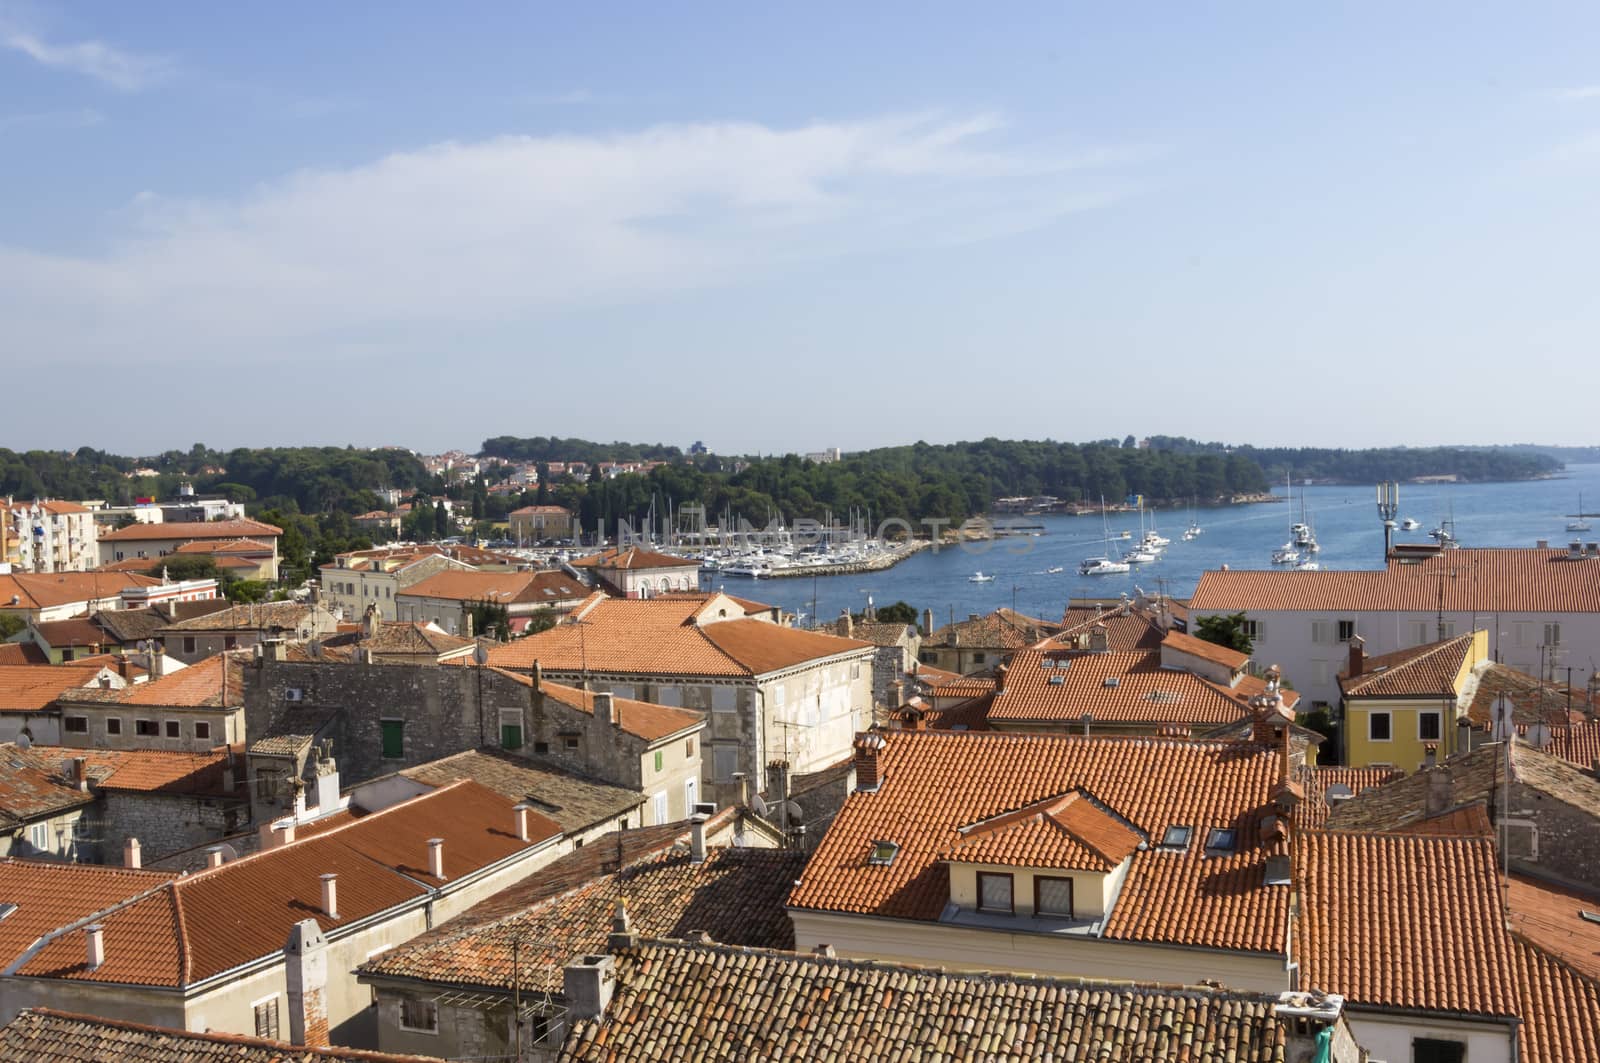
[
  {"x": 23, "y": 741},
  {"x": 795, "y": 813},
  {"x": 1539, "y": 735},
  {"x": 229, "y": 853},
  {"x": 758, "y": 806},
  {"x": 1338, "y": 792},
  {"x": 480, "y": 653}
]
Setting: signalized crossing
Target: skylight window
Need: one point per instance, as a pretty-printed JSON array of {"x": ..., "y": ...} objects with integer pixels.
[
  {"x": 883, "y": 852},
  {"x": 1177, "y": 837},
  {"x": 1112, "y": 681},
  {"x": 6, "y": 909},
  {"x": 1057, "y": 680},
  {"x": 1222, "y": 840},
  {"x": 1277, "y": 870},
  {"x": 1592, "y": 917}
]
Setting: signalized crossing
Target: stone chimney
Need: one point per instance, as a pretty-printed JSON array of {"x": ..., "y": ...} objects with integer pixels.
[
  {"x": 214, "y": 856},
  {"x": 697, "y": 838},
  {"x": 622, "y": 935},
  {"x": 587, "y": 983},
  {"x": 305, "y": 970},
  {"x": 847, "y": 624},
  {"x": 1430, "y": 755},
  {"x": 330, "y": 895},
  {"x": 1000, "y": 679},
  {"x": 867, "y": 747},
  {"x": 927, "y": 623},
  {"x": 605, "y": 708},
  {"x": 95, "y": 942},
  {"x": 1098, "y": 642},
  {"x": 744, "y": 788},
  {"x": 897, "y": 693},
  {"x": 158, "y": 660},
  {"x": 520, "y": 812},
  {"x": 827, "y": 952},
  {"x": 1440, "y": 793},
  {"x": 436, "y": 857},
  {"x": 80, "y": 773},
  {"x": 1358, "y": 656},
  {"x": 130, "y": 853},
  {"x": 370, "y": 623}
]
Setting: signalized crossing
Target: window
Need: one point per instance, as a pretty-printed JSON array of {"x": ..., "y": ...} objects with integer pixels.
[
  {"x": 1347, "y": 630},
  {"x": 202, "y": 729},
  {"x": 688, "y": 748},
  {"x": 510, "y": 729},
  {"x": 77, "y": 725},
  {"x": 113, "y": 725},
  {"x": 1177, "y": 837},
  {"x": 174, "y": 729},
  {"x": 39, "y": 837},
  {"x": 393, "y": 733},
  {"x": 994, "y": 892},
  {"x": 724, "y": 699},
  {"x": 979, "y": 658},
  {"x": 1321, "y": 631},
  {"x": 267, "y": 1018},
  {"x": 658, "y": 760},
  {"x": 1221, "y": 840},
  {"x": 419, "y": 1016},
  {"x": 1428, "y": 726},
  {"x": 669, "y": 696},
  {"x": 266, "y": 785},
  {"x": 691, "y": 794},
  {"x": 658, "y": 807},
  {"x": 146, "y": 728},
  {"x": 1378, "y": 726},
  {"x": 883, "y": 852},
  {"x": 1433, "y": 1050},
  {"x": 1052, "y": 896},
  {"x": 541, "y": 747},
  {"x": 1254, "y": 630},
  {"x": 1552, "y": 634},
  {"x": 1421, "y": 633},
  {"x": 230, "y": 642},
  {"x": 570, "y": 743},
  {"x": 725, "y": 761},
  {"x": 188, "y": 647}
]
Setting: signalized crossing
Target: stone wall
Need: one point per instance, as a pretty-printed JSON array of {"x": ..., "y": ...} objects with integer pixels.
[
  {"x": 1551, "y": 838},
  {"x": 165, "y": 823}
]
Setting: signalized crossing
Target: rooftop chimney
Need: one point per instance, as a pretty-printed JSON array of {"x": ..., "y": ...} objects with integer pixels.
[
  {"x": 213, "y": 856},
  {"x": 130, "y": 853},
  {"x": 306, "y": 975},
  {"x": 587, "y": 983},
  {"x": 95, "y": 935},
  {"x": 927, "y": 623},
  {"x": 825, "y": 951},
  {"x": 1440, "y": 792},
  {"x": 1000, "y": 679},
  {"x": 80, "y": 773},
  {"x": 1542, "y": 544},
  {"x": 1430, "y": 755},
  {"x": 327, "y": 785},
  {"x": 605, "y": 708},
  {"x": 521, "y": 814},
  {"x": 158, "y": 660},
  {"x": 1098, "y": 642},
  {"x": 867, "y": 746},
  {"x": 744, "y": 788},
  {"x": 283, "y": 834},
  {"x": 330, "y": 895},
  {"x": 436, "y": 857},
  {"x": 1358, "y": 655},
  {"x": 1575, "y": 549},
  {"x": 622, "y": 935},
  {"x": 697, "y": 837},
  {"x": 847, "y": 623}
]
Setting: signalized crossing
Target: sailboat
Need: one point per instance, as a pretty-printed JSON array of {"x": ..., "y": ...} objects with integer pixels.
[
  {"x": 1304, "y": 539},
  {"x": 1193, "y": 531},
  {"x": 1103, "y": 565},
  {"x": 979, "y": 577},
  {"x": 1581, "y": 524}
]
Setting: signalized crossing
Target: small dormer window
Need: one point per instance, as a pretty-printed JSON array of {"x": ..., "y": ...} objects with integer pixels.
[
  {"x": 1057, "y": 680},
  {"x": 1222, "y": 840},
  {"x": 883, "y": 853},
  {"x": 1112, "y": 681},
  {"x": 1177, "y": 838}
]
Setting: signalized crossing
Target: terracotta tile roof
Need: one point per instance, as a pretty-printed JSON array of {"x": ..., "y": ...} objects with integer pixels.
[
  {"x": 508, "y": 588},
  {"x": 214, "y": 920},
  {"x": 285, "y": 745},
  {"x": 49, "y": 505},
  {"x": 400, "y": 638},
  {"x": 1319, "y": 780},
  {"x": 21, "y": 653},
  {"x": 1503, "y": 580},
  {"x": 1551, "y": 917},
  {"x": 151, "y": 770},
  {"x": 1207, "y": 651},
  {"x": 661, "y": 636},
  {"x": 1421, "y": 671},
  {"x": 964, "y": 686},
  {"x": 62, "y": 1037},
  {"x": 78, "y": 631},
  {"x": 49, "y": 895},
  {"x": 929, "y": 676},
  {"x": 736, "y": 896},
  {"x": 1472, "y": 776},
  {"x": 1578, "y": 744},
  {"x": 1064, "y": 832},
  {"x": 197, "y": 686},
  {"x": 49, "y": 590},
  {"x": 33, "y": 787},
  {"x": 128, "y": 626},
  {"x": 1464, "y": 821},
  {"x": 633, "y": 559},
  {"x": 572, "y": 800},
  {"x": 1436, "y": 942},
  {"x": 880, "y": 634},
  {"x": 225, "y": 546},
  {"x": 1060, "y": 686},
  {"x": 528, "y": 511},
  {"x": 215, "y": 529},
  {"x": 1003, "y": 629},
  {"x": 640, "y": 718},
  {"x": 935, "y": 782},
  {"x": 811, "y": 1008},
  {"x": 1532, "y": 701},
  {"x": 1560, "y": 1007},
  {"x": 1127, "y": 628},
  {"x": 32, "y": 687},
  {"x": 256, "y": 616}
]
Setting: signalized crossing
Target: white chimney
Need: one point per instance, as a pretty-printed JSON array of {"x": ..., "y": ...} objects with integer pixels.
[
  {"x": 283, "y": 834},
  {"x": 327, "y": 786},
  {"x": 130, "y": 853},
  {"x": 96, "y": 936},
  {"x": 697, "y": 837},
  {"x": 214, "y": 856},
  {"x": 436, "y": 857},
  {"x": 605, "y": 708},
  {"x": 330, "y": 895},
  {"x": 521, "y": 812}
]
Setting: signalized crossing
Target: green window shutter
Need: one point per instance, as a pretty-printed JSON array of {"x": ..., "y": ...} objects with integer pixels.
[
  {"x": 394, "y": 745},
  {"x": 510, "y": 736},
  {"x": 658, "y": 760}
]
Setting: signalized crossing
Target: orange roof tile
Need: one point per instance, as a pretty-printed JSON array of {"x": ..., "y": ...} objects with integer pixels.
[
  {"x": 1560, "y": 1007},
  {"x": 634, "y": 558},
  {"x": 63, "y": 1037},
  {"x": 1207, "y": 651},
  {"x": 1505, "y": 580},
  {"x": 1551, "y": 917},
  {"x": 1126, "y": 628},
  {"x": 32, "y": 687},
  {"x": 194, "y": 687},
  {"x": 639, "y": 718},
  {"x": 1063, "y": 832},
  {"x": 21, "y": 653},
  {"x": 507, "y": 588},
  {"x": 215, "y": 529},
  {"x": 1319, "y": 780},
  {"x": 1003, "y": 629},
  {"x": 1421, "y": 671},
  {"x": 225, "y": 546},
  {"x": 1061, "y": 686},
  {"x": 49, "y": 895},
  {"x": 49, "y": 590},
  {"x": 1578, "y": 744},
  {"x": 932, "y": 783},
  {"x": 151, "y": 770},
  {"x": 33, "y": 787}
]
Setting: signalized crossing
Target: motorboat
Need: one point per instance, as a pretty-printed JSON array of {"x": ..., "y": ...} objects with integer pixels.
[
  {"x": 1307, "y": 566},
  {"x": 1053, "y": 569},
  {"x": 1125, "y": 533},
  {"x": 1139, "y": 556},
  {"x": 1410, "y": 524},
  {"x": 1102, "y": 566},
  {"x": 1285, "y": 555},
  {"x": 979, "y": 577}
]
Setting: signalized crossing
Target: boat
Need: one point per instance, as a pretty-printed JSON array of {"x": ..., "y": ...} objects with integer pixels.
[
  {"x": 1301, "y": 533},
  {"x": 1102, "y": 566},
  {"x": 1285, "y": 555},
  {"x": 1053, "y": 569},
  {"x": 1306, "y": 566},
  {"x": 979, "y": 577},
  {"x": 1139, "y": 556},
  {"x": 1193, "y": 531},
  {"x": 1124, "y": 534},
  {"x": 1410, "y": 524},
  {"x": 1582, "y": 522}
]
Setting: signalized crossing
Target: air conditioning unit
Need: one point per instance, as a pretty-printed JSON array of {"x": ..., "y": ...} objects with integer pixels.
[
  {"x": 294, "y": 694},
  {"x": 707, "y": 807}
]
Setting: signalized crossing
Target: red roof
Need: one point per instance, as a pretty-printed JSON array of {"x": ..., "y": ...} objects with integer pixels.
[
  {"x": 49, "y": 895},
  {"x": 192, "y": 530}
]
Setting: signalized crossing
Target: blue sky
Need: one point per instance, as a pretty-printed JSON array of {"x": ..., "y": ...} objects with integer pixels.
[{"x": 830, "y": 225}]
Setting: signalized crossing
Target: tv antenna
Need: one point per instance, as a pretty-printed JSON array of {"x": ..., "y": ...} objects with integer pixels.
[{"x": 1388, "y": 509}]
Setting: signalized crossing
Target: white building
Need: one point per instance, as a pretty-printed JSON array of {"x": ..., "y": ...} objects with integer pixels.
[{"x": 48, "y": 536}]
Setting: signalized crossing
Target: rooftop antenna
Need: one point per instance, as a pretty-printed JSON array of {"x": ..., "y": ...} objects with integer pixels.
[{"x": 1388, "y": 507}]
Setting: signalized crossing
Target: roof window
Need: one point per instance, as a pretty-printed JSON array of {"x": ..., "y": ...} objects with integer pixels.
[
  {"x": 1057, "y": 680},
  {"x": 1277, "y": 870},
  {"x": 7, "y": 908},
  {"x": 1112, "y": 681},
  {"x": 883, "y": 852},
  {"x": 1177, "y": 837},
  {"x": 1592, "y": 917},
  {"x": 1222, "y": 840}
]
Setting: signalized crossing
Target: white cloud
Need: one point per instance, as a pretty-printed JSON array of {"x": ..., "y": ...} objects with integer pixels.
[
  {"x": 421, "y": 245},
  {"x": 120, "y": 69},
  {"x": 1581, "y": 92}
]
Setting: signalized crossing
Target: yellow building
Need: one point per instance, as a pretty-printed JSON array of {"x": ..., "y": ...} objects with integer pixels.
[{"x": 1398, "y": 705}]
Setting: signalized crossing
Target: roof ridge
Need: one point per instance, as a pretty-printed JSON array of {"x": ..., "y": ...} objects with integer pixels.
[{"x": 185, "y": 958}]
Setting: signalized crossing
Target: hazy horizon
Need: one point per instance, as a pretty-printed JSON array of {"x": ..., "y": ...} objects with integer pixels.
[{"x": 786, "y": 230}]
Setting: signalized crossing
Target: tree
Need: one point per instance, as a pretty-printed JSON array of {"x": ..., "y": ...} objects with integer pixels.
[
  {"x": 245, "y": 590},
  {"x": 541, "y": 620},
  {"x": 10, "y": 624},
  {"x": 490, "y": 620},
  {"x": 898, "y": 613},
  {"x": 1226, "y": 631}
]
